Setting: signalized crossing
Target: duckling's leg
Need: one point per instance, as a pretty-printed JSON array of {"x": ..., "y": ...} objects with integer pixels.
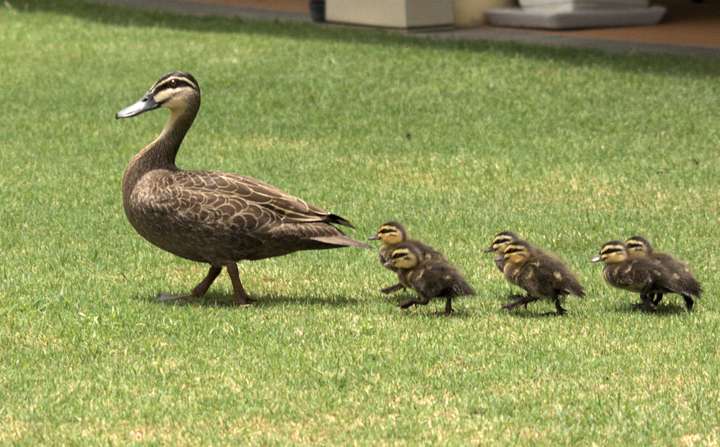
[
  {"x": 407, "y": 303},
  {"x": 199, "y": 290},
  {"x": 241, "y": 298},
  {"x": 521, "y": 301},
  {"x": 558, "y": 306},
  {"x": 688, "y": 302},
  {"x": 448, "y": 306},
  {"x": 658, "y": 298},
  {"x": 393, "y": 288},
  {"x": 647, "y": 302}
]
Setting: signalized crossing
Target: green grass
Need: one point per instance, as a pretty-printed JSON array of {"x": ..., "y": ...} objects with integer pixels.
[{"x": 457, "y": 140}]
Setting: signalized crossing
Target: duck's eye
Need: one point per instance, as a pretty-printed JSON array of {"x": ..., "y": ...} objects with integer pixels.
[{"x": 173, "y": 83}]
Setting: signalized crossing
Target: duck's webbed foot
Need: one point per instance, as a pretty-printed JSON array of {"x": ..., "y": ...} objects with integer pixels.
[
  {"x": 198, "y": 291},
  {"x": 558, "y": 307},
  {"x": 240, "y": 297},
  {"x": 448, "y": 307},
  {"x": 407, "y": 304},
  {"x": 391, "y": 289}
]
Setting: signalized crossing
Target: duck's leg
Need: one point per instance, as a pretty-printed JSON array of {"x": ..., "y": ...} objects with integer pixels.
[
  {"x": 647, "y": 302},
  {"x": 241, "y": 298},
  {"x": 448, "y": 306},
  {"x": 558, "y": 307},
  {"x": 393, "y": 288},
  {"x": 688, "y": 302},
  {"x": 199, "y": 290}
]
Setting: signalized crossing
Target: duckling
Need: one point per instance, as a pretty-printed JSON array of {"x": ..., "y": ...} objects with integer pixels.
[
  {"x": 429, "y": 277},
  {"x": 541, "y": 274},
  {"x": 639, "y": 274},
  {"x": 391, "y": 234},
  {"x": 215, "y": 218},
  {"x": 680, "y": 274},
  {"x": 500, "y": 241}
]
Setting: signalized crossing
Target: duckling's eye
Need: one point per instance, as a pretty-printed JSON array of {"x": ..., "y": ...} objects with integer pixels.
[
  {"x": 173, "y": 83},
  {"x": 386, "y": 231},
  {"x": 398, "y": 255},
  {"x": 607, "y": 251}
]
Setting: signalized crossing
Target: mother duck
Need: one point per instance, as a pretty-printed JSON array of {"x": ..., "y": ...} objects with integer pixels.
[{"x": 213, "y": 217}]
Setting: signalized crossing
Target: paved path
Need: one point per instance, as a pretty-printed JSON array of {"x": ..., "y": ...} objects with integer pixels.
[{"x": 485, "y": 33}]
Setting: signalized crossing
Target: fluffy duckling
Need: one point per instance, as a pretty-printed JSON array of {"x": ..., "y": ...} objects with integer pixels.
[
  {"x": 680, "y": 275},
  {"x": 639, "y": 274},
  {"x": 391, "y": 234},
  {"x": 541, "y": 274},
  {"x": 429, "y": 277},
  {"x": 500, "y": 241}
]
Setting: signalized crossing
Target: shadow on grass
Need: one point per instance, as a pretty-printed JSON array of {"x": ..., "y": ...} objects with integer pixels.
[
  {"x": 215, "y": 299},
  {"x": 663, "y": 310},
  {"x": 127, "y": 17}
]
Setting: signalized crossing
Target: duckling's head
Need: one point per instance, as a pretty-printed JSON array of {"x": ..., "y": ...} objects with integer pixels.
[
  {"x": 638, "y": 246},
  {"x": 516, "y": 252},
  {"x": 175, "y": 91},
  {"x": 612, "y": 252},
  {"x": 390, "y": 233},
  {"x": 500, "y": 241},
  {"x": 404, "y": 256}
]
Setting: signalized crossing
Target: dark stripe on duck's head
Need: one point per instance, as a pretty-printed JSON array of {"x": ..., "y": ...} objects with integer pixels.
[
  {"x": 612, "y": 247},
  {"x": 176, "y": 79},
  {"x": 638, "y": 243}
]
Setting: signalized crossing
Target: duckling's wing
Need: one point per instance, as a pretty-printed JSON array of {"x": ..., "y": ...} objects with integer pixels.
[{"x": 554, "y": 278}]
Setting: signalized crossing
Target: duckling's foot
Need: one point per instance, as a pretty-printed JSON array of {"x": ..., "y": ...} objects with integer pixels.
[
  {"x": 448, "y": 307},
  {"x": 394, "y": 288},
  {"x": 689, "y": 303},
  {"x": 407, "y": 304},
  {"x": 658, "y": 298},
  {"x": 521, "y": 301},
  {"x": 558, "y": 307}
]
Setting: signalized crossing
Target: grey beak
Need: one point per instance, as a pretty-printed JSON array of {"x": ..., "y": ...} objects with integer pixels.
[
  {"x": 488, "y": 250},
  {"x": 595, "y": 259},
  {"x": 145, "y": 104},
  {"x": 374, "y": 237},
  {"x": 387, "y": 263}
]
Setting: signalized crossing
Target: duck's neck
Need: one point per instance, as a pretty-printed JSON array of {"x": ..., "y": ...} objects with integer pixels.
[{"x": 161, "y": 152}]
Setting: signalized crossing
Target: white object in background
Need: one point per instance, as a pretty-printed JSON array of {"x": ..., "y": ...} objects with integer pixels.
[{"x": 391, "y": 13}]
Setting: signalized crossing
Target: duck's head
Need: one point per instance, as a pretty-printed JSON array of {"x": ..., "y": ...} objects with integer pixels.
[
  {"x": 175, "y": 91},
  {"x": 612, "y": 252},
  {"x": 516, "y": 252},
  {"x": 638, "y": 246},
  {"x": 390, "y": 233},
  {"x": 500, "y": 241},
  {"x": 404, "y": 256}
]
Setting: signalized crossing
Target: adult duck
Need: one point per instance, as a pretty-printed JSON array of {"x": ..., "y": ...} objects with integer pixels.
[{"x": 212, "y": 217}]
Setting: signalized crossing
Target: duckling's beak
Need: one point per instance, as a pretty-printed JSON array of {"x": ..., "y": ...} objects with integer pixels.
[
  {"x": 374, "y": 237},
  {"x": 488, "y": 250},
  {"x": 388, "y": 263},
  {"x": 596, "y": 259},
  {"x": 145, "y": 104}
]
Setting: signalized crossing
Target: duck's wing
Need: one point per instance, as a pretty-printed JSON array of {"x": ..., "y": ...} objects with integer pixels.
[{"x": 244, "y": 204}]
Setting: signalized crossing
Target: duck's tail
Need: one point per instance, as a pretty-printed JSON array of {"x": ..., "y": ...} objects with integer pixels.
[{"x": 340, "y": 240}]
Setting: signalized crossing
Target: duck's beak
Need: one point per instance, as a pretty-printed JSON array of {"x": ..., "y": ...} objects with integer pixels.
[
  {"x": 374, "y": 237},
  {"x": 488, "y": 250},
  {"x": 145, "y": 104},
  {"x": 388, "y": 263},
  {"x": 595, "y": 259}
]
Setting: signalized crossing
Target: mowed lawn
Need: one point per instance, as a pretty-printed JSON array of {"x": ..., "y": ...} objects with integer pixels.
[{"x": 457, "y": 140}]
